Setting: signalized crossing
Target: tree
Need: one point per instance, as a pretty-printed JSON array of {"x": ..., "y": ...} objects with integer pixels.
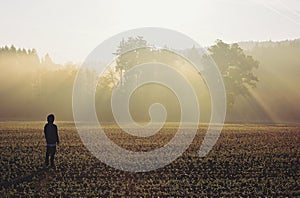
[
  {"x": 236, "y": 68},
  {"x": 127, "y": 60},
  {"x": 127, "y": 56},
  {"x": 47, "y": 60},
  {"x": 130, "y": 44}
]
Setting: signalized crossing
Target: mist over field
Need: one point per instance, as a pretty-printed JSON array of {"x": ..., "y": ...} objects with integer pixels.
[{"x": 32, "y": 87}]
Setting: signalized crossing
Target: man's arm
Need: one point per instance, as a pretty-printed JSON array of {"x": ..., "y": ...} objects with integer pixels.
[
  {"x": 45, "y": 131},
  {"x": 57, "y": 135}
]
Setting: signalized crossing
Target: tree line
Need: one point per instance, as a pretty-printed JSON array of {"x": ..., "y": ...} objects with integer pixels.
[{"x": 31, "y": 88}]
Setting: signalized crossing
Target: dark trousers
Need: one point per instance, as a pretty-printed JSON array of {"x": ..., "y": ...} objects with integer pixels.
[{"x": 50, "y": 152}]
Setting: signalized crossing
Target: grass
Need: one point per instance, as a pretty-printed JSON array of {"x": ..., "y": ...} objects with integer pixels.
[{"x": 262, "y": 160}]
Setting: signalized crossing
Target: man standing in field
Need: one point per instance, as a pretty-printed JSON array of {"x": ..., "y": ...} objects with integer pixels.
[{"x": 52, "y": 139}]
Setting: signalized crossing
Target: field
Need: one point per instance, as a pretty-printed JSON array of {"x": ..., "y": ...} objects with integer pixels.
[{"x": 248, "y": 160}]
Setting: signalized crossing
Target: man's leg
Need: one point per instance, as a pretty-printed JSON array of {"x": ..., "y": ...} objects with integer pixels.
[
  {"x": 47, "y": 156},
  {"x": 53, "y": 151}
]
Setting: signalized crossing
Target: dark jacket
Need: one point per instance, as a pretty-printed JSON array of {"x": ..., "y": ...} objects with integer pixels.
[{"x": 51, "y": 134}]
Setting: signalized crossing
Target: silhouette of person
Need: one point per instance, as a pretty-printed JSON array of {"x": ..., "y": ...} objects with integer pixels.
[{"x": 52, "y": 139}]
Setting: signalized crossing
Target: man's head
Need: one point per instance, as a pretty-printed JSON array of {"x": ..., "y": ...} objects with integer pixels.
[{"x": 50, "y": 118}]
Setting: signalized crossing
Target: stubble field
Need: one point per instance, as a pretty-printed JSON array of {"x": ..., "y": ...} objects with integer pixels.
[{"x": 247, "y": 160}]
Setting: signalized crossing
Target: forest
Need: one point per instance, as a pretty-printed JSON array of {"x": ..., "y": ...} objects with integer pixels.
[{"x": 260, "y": 79}]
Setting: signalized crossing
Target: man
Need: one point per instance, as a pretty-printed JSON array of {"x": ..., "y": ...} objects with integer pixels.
[{"x": 52, "y": 139}]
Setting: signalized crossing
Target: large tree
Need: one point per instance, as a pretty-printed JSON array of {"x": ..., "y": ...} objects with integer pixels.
[
  {"x": 126, "y": 57},
  {"x": 130, "y": 52},
  {"x": 236, "y": 68}
]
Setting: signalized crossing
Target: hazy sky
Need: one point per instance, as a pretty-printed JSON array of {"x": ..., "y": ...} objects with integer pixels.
[{"x": 70, "y": 30}]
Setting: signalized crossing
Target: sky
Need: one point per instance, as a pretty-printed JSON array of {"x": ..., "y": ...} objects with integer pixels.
[{"x": 70, "y": 30}]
